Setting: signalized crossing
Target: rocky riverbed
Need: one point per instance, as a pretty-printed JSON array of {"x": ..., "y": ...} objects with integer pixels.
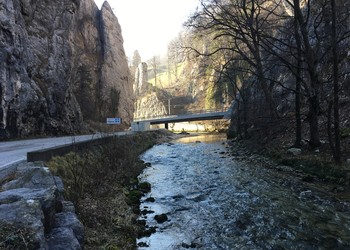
[{"x": 217, "y": 195}]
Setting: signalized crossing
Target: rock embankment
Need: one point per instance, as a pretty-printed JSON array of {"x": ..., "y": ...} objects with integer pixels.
[{"x": 33, "y": 212}]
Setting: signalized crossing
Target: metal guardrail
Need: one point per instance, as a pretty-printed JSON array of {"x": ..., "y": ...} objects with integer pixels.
[{"x": 190, "y": 112}]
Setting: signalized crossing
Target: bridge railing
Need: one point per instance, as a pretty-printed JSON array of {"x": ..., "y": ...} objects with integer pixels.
[{"x": 189, "y": 112}]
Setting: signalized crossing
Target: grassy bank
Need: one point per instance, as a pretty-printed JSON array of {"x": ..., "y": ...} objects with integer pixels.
[
  {"x": 276, "y": 142},
  {"x": 102, "y": 183}
]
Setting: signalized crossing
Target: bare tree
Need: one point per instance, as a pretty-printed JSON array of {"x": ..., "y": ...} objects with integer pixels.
[
  {"x": 298, "y": 83},
  {"x": 174, "y": 55},
  {"x": 155, "y": 62},
  {"x": 314, "y": 87},
  {"x": 242, "y": 22},
  {"x": 300, "y": 56},
  {"x": 337, "y": 150}
]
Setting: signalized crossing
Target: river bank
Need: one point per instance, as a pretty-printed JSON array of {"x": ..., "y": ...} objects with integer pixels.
[
  {"x": 310, "y": 167},
  {"x": 295, "y": 170},
  {"x": 276, "y": 139},
  {"x": 103, "y": 186}
]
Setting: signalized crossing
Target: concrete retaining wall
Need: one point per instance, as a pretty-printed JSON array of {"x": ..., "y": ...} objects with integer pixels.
[{"x": 47, "y": 154}]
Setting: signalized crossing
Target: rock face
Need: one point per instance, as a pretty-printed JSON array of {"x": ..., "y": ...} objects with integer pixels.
[
  {"x": 150, "y": 105},
  {"x": 115, "y": 78},
  {"x": 61, "y": 63},
  {"x": 141, "y": 79},
  {"x": 156, "y": 104},
  {"x": 33, "y": 214}
]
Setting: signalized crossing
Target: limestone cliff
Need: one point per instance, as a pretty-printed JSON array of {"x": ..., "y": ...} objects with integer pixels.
[
  {"x": 61, "y": 63},
  {"x": 141, "y": 85},
  {"x": 151, "y": 105}
]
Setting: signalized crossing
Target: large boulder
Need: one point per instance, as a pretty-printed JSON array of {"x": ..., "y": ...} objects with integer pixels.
[
  {"x": 34, "y": 176},
  {"x": 45, "y": 197},
  {"x": 22, "y": 219},
  {"x": 63, "y": 238},
  {"x": 70, "y": 220},
  {"x": 33, "y": 213}
]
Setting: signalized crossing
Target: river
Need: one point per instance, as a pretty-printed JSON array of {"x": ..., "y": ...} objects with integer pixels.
[{"x": 213, "y": 201}]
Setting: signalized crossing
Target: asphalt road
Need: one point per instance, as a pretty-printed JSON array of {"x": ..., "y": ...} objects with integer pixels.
[{"x": 15, "y": 151}]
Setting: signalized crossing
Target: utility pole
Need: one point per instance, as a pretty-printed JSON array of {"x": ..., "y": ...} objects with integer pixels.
[{"x": 169, "y": 106}]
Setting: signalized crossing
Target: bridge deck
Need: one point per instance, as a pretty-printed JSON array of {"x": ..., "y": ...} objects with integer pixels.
[{"x": 187, "y": 118}]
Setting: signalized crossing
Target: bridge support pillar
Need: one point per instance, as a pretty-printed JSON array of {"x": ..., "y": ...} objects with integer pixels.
[
  {"x": 166, "y": 125},
  {"x": 140, "y": 126}
]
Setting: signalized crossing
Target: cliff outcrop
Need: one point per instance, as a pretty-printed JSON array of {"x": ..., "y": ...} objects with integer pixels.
[
  {"x": 62, "y": 63},
  {"x": 153, "y": 104},
  {"x": 141, "y": 84}
]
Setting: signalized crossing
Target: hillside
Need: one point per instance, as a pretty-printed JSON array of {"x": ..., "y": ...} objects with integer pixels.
[{"x": 189, "y": 83}]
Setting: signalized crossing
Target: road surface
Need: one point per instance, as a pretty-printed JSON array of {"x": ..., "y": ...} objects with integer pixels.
[{"x": 15, "y": 151}]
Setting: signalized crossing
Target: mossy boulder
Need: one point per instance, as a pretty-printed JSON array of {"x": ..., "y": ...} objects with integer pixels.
[{"x": 145, "y": 187}]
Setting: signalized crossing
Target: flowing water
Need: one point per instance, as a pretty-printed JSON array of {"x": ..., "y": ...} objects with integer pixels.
[{"x": 214, "y": 202}]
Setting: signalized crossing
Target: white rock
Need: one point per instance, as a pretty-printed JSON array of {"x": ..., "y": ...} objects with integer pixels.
[{"x": 294, "y": 151}]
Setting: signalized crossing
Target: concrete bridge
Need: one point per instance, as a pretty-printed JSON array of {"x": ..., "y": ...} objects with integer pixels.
[{"x": 203, "y": 115}]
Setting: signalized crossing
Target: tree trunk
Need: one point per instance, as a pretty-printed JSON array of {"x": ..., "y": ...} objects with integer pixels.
[
  {"x": 255, "y": 49},
  {"x": 337, "y": 150},
  {"x": 313, "y": 121},
  {"x": 239, "y": 122},
  {"x": 264, "y": 86},
  {"x": 314, "y": 81},
  {"x": 245, "y": 115},
  {"x": 298, "y": 128},
  {"x": 329, "y": 127}
]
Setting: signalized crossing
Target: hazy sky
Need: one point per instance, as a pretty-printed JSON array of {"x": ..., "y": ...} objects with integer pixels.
[{"x": 148, "y": 25}]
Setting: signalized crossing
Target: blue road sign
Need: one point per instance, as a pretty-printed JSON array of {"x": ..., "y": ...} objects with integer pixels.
[{"x": 116, "y": 120}]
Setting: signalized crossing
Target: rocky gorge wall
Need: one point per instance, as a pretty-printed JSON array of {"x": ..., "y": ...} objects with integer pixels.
[{"x": 62, "y": 63}]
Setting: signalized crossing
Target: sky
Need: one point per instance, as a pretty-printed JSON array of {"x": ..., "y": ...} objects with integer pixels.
[{"x": 149, "y": 25}]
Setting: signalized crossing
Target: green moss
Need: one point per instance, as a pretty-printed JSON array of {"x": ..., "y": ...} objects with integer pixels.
[
  {"x": 145, "y": 187},
  {"x": 134, "y": 181},
  {"x": 133, "y": 197},
  {"x": 345, "y": 132}
]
